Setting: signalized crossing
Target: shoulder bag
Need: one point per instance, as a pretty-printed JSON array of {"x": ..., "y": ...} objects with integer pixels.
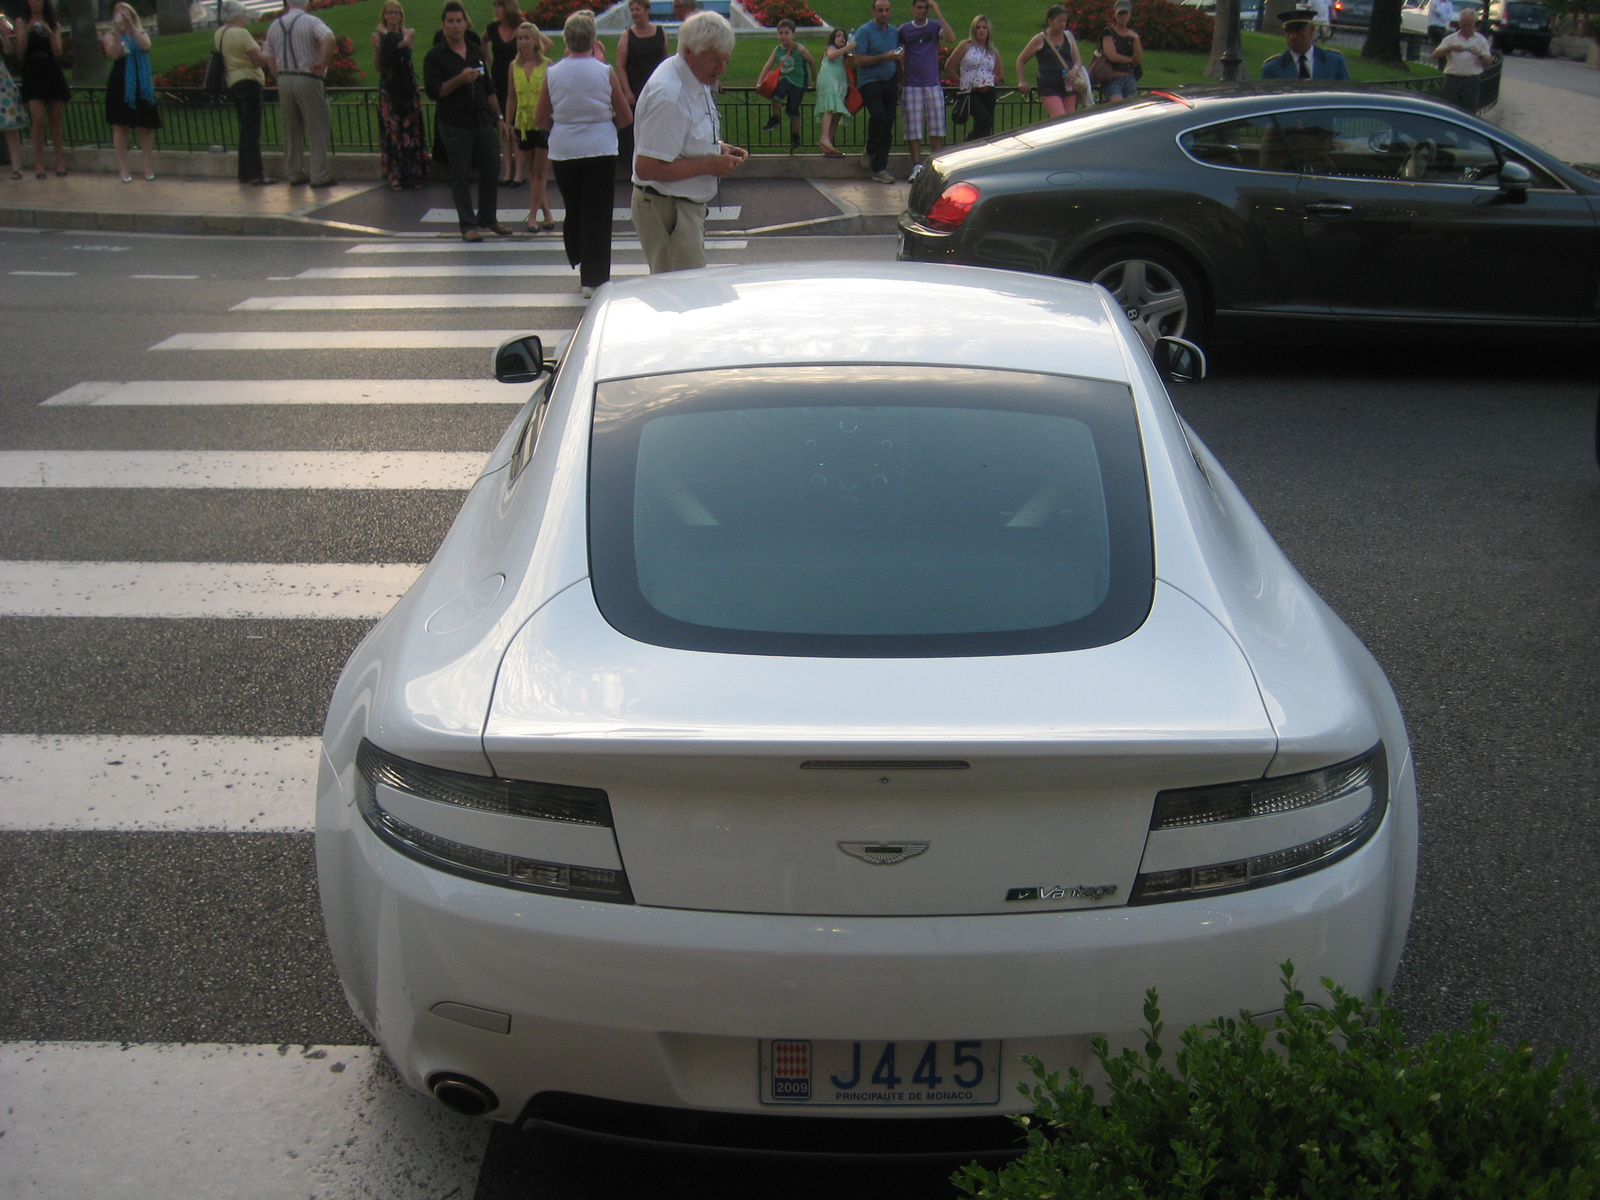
[{"x": 216, "y": 80}]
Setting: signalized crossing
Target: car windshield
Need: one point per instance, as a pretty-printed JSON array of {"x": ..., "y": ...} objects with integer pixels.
[
  {"x": 868, "y": 511},
  {"x": 1526, "y": 12}
]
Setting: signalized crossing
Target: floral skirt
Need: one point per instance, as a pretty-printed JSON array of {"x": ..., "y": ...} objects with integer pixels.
[
  {"x": 405, "y": 152},
  {"x": 12, "y": 114}
]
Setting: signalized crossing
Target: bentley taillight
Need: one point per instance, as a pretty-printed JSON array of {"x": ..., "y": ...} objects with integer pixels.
[{"x": 952, "y": 207}]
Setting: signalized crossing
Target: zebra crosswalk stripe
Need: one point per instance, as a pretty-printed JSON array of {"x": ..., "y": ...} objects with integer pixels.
[
  {"x": 519, "y": 216},
  {"x": 344, "y": 470},
  {"x": 252, "y": 1122},
  {"x": 547, "y": 246},
  {"x": 186, "y": 590},
  {"x": 168, "y": 783},
  {"x": 360, "y": 339},
  {"x": 466, "y": 270},
  {"x": 403, "y": 300},
  {"x": 144, "y": 392}
]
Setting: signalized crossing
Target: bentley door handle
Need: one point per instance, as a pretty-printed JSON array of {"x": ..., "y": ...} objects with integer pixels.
[{"x": 1329, "y": 208}]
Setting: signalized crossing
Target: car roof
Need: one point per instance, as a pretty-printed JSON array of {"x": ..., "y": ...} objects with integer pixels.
[{"x": 868, "y": 312}]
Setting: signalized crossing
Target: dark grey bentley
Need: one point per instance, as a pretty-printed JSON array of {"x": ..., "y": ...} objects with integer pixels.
[{"x": 1293, "y": 213}]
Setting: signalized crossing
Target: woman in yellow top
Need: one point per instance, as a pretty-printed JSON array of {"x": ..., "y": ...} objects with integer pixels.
[
  {"x": 242, "y": 56},
  {"x": 522, "y": 100}
]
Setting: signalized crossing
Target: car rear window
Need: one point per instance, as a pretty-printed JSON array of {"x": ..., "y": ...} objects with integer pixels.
[
  {"x": 860, "y": 511},
  {"x": 1527, "y": 12}
]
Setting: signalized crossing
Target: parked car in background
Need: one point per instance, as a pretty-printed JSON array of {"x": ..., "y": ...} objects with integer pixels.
[
  {"x": 1355, "y": 13},
  {"x": 1249, "y": 11},
  {"x": 1520, "y": 25},
  {"x": 1293, "y": 212},
  {"x": 842, "y": 680}
]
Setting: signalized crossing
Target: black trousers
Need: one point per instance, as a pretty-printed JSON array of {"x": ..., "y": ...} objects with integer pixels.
[
  {"x": 982, "y": 113},
  {"x": 587, "y": 191},
  {"x": 882, "y": 101},
  {"x": 478, "y": 146},
  {"x": 247, "y": 97}
]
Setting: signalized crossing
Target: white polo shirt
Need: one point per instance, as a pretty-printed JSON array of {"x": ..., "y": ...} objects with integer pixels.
[{"x": 676, "y": 117}]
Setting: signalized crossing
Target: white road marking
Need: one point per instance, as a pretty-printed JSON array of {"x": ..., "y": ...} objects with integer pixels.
[
  {"x": 166, "y": 277},
  {"x": 548, "y": 246},
  {"x": 143, "y": 392},
  {"x": 194, "y": 590},
  {"x": 360, "y": 339},
  {"x": 413, "y": 300},
  {"x": 457, "y": 270},
  {"x": 87, "y": 782},
  {"x": 47, "y": 274},
  {"x": 519, "y": 216},
  {"x": 338, "y": 469},
  {"x": 194, "y": 1121}
]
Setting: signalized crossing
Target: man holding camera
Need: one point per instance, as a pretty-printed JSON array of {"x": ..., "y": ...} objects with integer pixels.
[{"x": 468, "y": 120}]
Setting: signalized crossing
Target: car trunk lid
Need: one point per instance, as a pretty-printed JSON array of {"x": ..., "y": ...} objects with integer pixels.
[{"x": 832, "y": 787}]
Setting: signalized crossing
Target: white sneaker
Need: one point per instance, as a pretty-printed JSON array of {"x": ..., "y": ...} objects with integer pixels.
[
  {"x": 915, "y": 171},
  {"x": 588, "y": 293},
  {"x": 883, "y": 177}
]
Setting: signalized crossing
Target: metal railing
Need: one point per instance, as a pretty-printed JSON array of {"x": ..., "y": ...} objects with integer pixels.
[{"x": 192, "y": 120}]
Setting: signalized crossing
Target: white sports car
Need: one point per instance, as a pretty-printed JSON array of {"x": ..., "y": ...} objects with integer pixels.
[{"x": 840, "y": 682}]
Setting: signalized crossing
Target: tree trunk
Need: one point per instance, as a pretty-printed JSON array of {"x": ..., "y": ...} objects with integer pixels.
[
  {"x": 1219, "y": 37},
  {"x": 88, "y": 59},
  {"x": 173, "y": 16},
  {"x": 1383, "y": 35}
]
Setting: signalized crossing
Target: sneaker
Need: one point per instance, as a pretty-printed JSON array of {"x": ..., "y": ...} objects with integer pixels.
[
  {"x": 883, "y": 177},
  {"x": 915, "y": 171},
  {"x": 588, "y": 293},
  {"x": 772, "y": 123}
]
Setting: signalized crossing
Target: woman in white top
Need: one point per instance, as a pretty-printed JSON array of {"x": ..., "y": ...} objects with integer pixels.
[
  {"x": 974, "y": 66},
  {"x": 582, "y": 104}
]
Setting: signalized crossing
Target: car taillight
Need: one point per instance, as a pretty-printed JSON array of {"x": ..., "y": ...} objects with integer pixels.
[
  {"x": 952, "y": 206},
  {"x": 1233, "y": 836}
]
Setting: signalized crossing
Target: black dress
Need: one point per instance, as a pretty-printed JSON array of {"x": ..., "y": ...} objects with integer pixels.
[
  {"x": 142, "y": 115},
  {"x": 502, "y": 53},
  {"x": 42, "y": 77}
]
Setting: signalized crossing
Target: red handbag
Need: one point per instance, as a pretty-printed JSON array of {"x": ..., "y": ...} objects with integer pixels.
[
  {"x": 769, "y": 83},
  {"x": 852, "y": 94}
]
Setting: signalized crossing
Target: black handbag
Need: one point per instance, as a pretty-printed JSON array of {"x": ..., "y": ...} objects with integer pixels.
[
  {"x": 961, "y": 110},
  {"x": 216, "y": 80}
]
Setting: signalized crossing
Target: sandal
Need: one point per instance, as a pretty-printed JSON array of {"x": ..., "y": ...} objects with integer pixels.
[
  {"x": 548, "y": 226},
  {"x": 61, "y": 173},
  {"x": 43, "y": 175},
  {"x": 16, "y": 174},
  {"x": 397, "y": 186}
]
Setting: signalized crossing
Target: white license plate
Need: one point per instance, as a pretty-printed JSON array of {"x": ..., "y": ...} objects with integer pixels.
[{"x": 877, "y": 1074}]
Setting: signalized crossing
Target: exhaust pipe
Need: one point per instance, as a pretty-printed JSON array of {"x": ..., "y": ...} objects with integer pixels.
[{"x": 462, "y": 1094}]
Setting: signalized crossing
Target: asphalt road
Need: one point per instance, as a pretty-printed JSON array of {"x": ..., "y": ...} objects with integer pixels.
[
  {"x": 1445, "y": 500},
  {"x": 1552, "y": 72}
]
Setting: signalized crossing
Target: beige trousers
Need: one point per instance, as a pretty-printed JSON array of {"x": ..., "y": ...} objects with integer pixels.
[
  {"x": 304, "y": 101},
  {"x": 672, "y": 231}
]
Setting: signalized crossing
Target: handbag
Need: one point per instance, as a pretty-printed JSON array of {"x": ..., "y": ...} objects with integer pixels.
[
  {"x": 852, "y": 94},
  {"x": 216, "y": 80},
  {"x": 1100, "y": 69},
  {"x": 961, "y": 110},
  {"x": 769, "y": 83}
]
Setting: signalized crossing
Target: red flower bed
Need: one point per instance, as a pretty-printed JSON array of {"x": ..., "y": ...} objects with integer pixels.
[
  {"x": 770, "y": 12},
  {"x": 185, "y": 75},
  {"x": 1162, "y": 25},
  {"x": 553, "y": 14}
]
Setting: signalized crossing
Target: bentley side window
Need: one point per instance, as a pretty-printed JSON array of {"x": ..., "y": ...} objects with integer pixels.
[
  {"x": 1252, "y": 143},
  {"x": 1400, "y": 146}
]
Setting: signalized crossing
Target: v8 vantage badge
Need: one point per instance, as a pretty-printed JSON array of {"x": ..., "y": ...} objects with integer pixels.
[
  {"x": 880, "y": 1074},
  {"x": 1056, "y": 891}
]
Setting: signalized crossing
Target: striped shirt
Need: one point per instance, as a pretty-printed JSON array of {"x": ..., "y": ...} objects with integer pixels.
[{"x": 294, "y": 42}]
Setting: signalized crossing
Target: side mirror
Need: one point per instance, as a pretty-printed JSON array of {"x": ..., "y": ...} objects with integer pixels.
[
  {"x": 1515, "y": 180},
  {"x": 1179, "y": 360},
  {"x": 521, "y": 360}
]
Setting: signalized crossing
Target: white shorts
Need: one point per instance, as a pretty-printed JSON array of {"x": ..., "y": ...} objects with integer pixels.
[{"x": 924, "y": 111}]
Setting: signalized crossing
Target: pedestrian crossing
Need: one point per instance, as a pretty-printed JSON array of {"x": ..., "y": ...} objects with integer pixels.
[
  {"x": 210, "y": 813},
  {"x": 519, "y": 216}
]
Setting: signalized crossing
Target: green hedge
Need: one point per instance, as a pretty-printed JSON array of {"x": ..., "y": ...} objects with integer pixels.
[{"x": 1329, "y": 1104}]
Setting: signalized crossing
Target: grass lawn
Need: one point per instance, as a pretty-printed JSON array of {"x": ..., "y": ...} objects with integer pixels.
[{"x": 1014, "y": 22}]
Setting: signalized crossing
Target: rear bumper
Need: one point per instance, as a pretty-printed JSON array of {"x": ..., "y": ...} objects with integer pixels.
[
  {"x": 918, "y": 244},
  {"x": 664, "y": 1007}
]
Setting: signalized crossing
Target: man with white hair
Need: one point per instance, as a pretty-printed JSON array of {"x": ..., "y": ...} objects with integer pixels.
[
  {"x": 678, "y": 151},
  {"x": 300, "y": 49},
  {"x": 1465, "y": 52}
]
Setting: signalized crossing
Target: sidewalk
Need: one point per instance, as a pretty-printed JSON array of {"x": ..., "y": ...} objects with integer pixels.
[
  {"x": 1561, "y": 120},
  {"x": 195, "y": 204}
]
